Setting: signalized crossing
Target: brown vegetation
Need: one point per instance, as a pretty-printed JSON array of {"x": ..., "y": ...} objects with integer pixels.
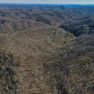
[{"x": 39, "y": 57}]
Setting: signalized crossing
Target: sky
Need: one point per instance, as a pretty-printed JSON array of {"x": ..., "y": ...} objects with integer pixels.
[{"x": 49, "y": 1}]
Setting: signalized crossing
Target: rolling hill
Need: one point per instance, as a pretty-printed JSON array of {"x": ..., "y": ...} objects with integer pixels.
[{"x": 46, "y": 49}]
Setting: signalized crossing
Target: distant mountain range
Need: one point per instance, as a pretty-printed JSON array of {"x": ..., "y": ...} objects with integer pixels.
[{"x": 57, "y": 15}]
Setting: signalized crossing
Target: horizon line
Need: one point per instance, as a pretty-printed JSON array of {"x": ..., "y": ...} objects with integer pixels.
[{"x": 49, "y": 3}]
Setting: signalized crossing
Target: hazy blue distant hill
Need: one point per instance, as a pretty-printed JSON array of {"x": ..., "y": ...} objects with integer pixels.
[{"x": 62, "y": 16}]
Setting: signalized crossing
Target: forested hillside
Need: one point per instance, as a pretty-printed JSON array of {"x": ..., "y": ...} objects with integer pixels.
[{"x": 46, "y": 49}]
